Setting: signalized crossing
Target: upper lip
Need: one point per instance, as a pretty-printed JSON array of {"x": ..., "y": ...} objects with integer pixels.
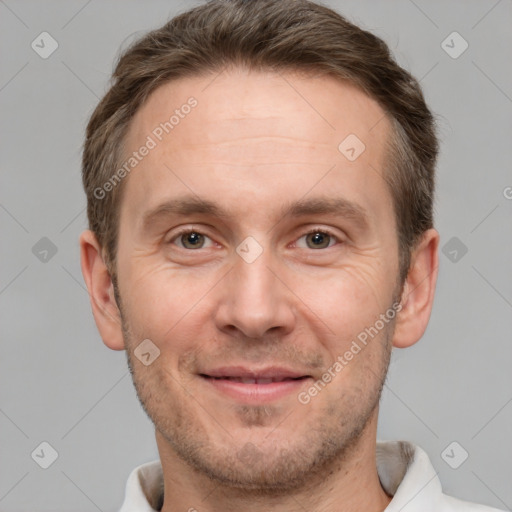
[{"x": 272, "y": 372}]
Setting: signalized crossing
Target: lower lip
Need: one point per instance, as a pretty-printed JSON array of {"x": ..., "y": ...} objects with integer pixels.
[{"x": 257, "y": 393}]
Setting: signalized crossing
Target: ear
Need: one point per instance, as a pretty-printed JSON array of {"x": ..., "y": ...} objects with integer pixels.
[
  {"x": 101, "y": 292},
  {"x": 418, "y": 291}
]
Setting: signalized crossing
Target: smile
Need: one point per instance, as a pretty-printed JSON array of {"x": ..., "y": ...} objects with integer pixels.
[{"x": 255, "y": 386}]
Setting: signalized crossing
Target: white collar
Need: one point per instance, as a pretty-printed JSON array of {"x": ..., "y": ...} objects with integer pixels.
[{"x": 404, "y": 469}]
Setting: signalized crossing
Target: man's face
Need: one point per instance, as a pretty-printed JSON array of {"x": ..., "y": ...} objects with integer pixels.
[{"x": 230, "y": 314}]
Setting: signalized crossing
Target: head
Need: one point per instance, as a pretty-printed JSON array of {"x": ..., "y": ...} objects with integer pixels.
[{"x": 260, "y": 180}]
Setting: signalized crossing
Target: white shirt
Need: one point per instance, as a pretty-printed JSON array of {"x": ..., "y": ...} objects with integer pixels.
[{"x": 405, "y": 472}]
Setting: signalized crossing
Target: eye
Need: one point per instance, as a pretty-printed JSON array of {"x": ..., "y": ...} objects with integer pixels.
[
  {"x": 191, "y": 239},
  {"x": 317, "y": 239}
]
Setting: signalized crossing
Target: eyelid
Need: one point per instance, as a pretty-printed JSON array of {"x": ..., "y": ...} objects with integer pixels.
[
  {"x": 188, "y": 229},
  {"x": 320, "y": 229},
  {"x": 191, "y": 229}
]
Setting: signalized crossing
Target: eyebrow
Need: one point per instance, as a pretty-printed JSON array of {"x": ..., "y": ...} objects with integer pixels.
[
  {"x": 327, "y": 206},
  {"x": 191, "y": 205}
]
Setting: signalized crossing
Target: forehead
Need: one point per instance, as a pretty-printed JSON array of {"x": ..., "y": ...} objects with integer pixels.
[
  {"x": 267, "y": 102},
  {"x": 254, "y": 130}
]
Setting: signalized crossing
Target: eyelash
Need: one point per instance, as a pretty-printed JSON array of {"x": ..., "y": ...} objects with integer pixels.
[
  {"x": 185, "y": 231},
  {"x": 323, "y": 231}
]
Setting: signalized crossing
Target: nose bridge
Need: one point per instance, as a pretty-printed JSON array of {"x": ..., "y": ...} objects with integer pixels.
[
  {"x": 255, "y": 282},
  {"x": 254, "y": 300}
]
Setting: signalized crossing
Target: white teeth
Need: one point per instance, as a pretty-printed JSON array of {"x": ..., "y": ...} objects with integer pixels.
[
  {"x": 259, "y": 380},
  {"x": 242, "y": 380}
]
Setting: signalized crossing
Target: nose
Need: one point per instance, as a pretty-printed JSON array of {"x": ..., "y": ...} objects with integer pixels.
[{"x": 255, "y": 300}]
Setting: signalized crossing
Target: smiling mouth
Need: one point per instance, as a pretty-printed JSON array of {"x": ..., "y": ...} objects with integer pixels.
[
  {"x": 255, "y": 380},
  {"x": 255, "y": 386}
]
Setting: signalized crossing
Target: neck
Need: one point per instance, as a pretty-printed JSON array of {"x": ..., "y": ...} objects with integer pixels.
[{"x": 350, "y": 484}]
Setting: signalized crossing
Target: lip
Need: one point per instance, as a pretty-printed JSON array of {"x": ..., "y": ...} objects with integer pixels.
[
  {"x": 249, "y": 385},
  {"x": 270, "y": 372}
]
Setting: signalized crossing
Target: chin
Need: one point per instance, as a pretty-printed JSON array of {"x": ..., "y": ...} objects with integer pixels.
[{"x": 274, "y": 462}]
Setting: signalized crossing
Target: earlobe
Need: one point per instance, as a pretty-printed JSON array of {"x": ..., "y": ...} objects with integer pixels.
[
  {"x": 101, "y": 292},
  {"x": 418, "y": 291}
]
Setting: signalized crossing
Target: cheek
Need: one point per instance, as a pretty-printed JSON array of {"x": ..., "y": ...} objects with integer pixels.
[
  {"x": 160, "y": 302},
  {"x": 348, "y": 299}
]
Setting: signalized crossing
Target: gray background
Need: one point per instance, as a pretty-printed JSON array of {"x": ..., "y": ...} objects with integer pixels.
[{"x": 60, "y": 384}]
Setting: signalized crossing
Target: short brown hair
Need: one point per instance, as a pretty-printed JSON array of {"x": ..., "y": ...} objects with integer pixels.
[{"x": 294, "y": 35}]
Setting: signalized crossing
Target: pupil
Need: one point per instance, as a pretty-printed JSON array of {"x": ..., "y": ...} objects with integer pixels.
[
  {"x": 319, "y": 240},
  {"x": 193, "y": 239}
]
